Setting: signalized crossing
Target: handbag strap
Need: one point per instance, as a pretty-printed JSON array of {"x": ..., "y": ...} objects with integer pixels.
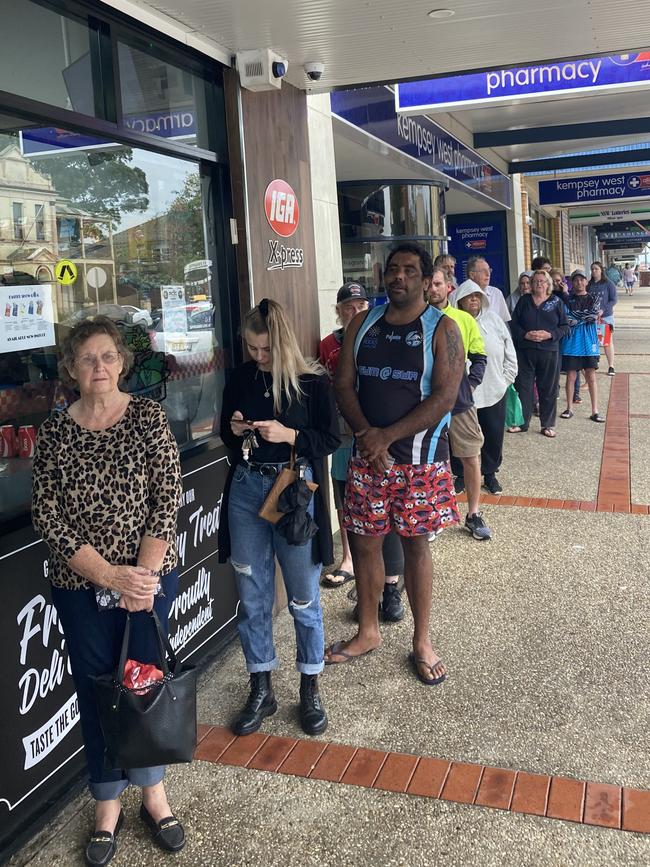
[
  {"x": 292, "y": 459},
  {"x": 165, "y": 648}
]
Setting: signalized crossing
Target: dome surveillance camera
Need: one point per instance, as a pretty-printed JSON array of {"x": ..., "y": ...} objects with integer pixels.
[{"x": 314, "y": 70}]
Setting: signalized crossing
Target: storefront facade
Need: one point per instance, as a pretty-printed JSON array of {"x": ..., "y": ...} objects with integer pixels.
[{"x": 132, "y": 184}]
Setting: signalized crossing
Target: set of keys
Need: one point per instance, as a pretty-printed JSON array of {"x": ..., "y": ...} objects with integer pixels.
[{"x": 250, "y": 443}]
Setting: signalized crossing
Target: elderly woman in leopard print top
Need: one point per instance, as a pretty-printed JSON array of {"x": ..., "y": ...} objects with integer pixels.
[{"x": 106, "y": 491}]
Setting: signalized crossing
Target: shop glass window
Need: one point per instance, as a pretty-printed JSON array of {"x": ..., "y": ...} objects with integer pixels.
[
  {"x": 39, "y": 222},
  {"x": 17, "y": 212},
  {"x": 374, "y": 217},
  {"x": 161, "y": 99},
  {"x": 46, "y": 56},
  {"x": 131, "y": 222}
]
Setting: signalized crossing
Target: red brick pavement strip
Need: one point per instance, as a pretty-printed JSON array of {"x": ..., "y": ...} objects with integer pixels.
[
  {"x": 614, "y": 485},
  {"x": 554, "y": 797}
]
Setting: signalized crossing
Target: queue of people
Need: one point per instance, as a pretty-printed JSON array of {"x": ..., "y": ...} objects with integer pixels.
[{"x": 396, "y": 387}]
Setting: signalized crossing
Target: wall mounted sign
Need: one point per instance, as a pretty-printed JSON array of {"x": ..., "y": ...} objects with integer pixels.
[
  {"x": 26, "y": 317},
  {"x": 640, "y": 236},
  {"x": 597, "y": 216},
  {"x": 481, "y": 234},
  {"x": 594, "y": 188},
  {"x": 281, "y": 257},
  {"x": 372, "y": 109},
  {"x": 281, "y": 208},
  {"x": 519, "y": 84}
]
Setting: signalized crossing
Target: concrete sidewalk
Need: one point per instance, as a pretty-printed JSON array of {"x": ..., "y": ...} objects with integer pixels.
[{"x": 545, "y": 634}]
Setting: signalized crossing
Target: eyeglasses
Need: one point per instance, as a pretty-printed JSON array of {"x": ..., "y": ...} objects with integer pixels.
[{"x": 107, "y": 358}]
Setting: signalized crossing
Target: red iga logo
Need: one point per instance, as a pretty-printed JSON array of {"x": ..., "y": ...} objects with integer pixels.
[{"x": 281, "y": 207}]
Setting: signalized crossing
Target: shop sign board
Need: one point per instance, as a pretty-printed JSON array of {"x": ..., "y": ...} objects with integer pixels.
[
  {"x": 41, "y": 748},
  {"x": 597, "y": 216},
  {"x": 594, "y": 188},
  {"x": 27, "y": 317},
  {"x": 372, "y": 109},
  {"x": 480, "y": 234},
  {"x": 641, "y": 237},
  {"x": 283, "y": 216},
  {"x": 281, "y": 208},
  {"x": 553, "y": 80}
]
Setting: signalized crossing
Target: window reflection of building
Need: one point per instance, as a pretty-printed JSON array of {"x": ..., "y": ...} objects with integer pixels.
[
  {"x": 86, "y": 239},
  {"x": 28, "y": 248}
]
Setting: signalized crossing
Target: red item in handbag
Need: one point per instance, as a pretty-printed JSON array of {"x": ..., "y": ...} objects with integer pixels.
[{"x": 139, "y": 676}]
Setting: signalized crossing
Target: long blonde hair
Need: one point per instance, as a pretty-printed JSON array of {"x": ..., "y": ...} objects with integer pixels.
[{"x": 287, "y": 361}]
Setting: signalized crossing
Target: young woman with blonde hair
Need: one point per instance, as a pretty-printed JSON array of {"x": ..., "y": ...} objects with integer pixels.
[{"x": 287, "y": 402}]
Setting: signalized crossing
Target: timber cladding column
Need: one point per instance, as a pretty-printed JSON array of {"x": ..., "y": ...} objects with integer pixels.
[{"x": 280, "y": 217}]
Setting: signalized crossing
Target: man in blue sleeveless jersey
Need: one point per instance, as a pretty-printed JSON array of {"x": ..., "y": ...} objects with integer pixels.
[{"x": 397, "y": 379}]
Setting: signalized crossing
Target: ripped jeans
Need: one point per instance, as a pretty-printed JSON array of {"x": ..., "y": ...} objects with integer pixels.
[{"x": 254, "y": 544}]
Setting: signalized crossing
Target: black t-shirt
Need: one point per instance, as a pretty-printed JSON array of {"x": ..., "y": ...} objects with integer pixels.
[{"x": 246, "y": 391}]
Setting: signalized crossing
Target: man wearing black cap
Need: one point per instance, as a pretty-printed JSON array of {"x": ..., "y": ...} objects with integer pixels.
[{"x": 351, "y": 299}]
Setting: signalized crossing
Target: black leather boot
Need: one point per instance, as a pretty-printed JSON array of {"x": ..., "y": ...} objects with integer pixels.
[
  {"x": 313, "y": 718},
  {"x": 261, "y": 703}
]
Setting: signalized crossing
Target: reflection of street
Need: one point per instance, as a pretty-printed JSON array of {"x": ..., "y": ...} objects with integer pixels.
[{"x": 130, "y": 225}]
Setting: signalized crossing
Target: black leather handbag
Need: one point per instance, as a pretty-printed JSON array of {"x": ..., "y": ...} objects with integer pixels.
[{"x": 154, "y": 728}]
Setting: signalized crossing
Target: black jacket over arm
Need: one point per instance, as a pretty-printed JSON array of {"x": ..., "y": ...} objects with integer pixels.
[{"x": 316, "y": 439}]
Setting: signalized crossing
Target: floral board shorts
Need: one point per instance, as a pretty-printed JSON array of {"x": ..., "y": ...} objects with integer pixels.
[{"x": 415, "y": 499}]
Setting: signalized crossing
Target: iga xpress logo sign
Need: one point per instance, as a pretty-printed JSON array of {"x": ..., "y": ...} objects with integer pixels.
[{"x": 281, "y": 208}]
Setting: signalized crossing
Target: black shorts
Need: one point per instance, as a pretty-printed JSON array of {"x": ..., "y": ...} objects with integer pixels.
[
  {"x": 579, "y": 362},
  {"x": 338, "y": 488}
]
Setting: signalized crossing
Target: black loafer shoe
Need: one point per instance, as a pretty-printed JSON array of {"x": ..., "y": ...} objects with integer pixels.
[
  {"x": 101, "y": 846},
  {"x": 168, "y": 833}
]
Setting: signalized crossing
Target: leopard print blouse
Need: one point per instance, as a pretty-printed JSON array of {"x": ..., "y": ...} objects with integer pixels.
[{"x": 106, "y": 488}]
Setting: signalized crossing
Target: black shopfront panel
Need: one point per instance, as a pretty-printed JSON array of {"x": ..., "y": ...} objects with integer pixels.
[{"x": 41, "y": 752}]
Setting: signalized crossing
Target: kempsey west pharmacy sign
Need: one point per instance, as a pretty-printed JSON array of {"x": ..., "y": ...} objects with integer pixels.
[
  {"x": 543, "y": 80},
  {"x": 594, "y": 188}
]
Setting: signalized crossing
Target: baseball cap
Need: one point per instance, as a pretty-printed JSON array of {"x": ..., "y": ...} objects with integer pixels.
[
  {"x": 578, "y": 273},
  {"x": 351, "y": 290}
]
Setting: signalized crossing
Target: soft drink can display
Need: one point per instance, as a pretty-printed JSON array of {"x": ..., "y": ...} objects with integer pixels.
[
  {"x": 7, "y": 441},
  {"x": 26, "y": 441}
]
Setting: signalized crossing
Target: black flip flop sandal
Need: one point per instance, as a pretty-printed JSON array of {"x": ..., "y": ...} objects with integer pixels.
[
  {"x": 417, "y": 661},
  {"x": 336, "y": 649},
  {"x": 326, "y": 580}
]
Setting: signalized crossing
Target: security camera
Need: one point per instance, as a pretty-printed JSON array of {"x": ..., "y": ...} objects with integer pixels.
[
  {"x": 279, "y": 68},
  {"x": 314, "y": 70}
]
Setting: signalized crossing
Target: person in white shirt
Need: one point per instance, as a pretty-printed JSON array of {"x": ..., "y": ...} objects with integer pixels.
[
  {"x": 501, "y": 370},
  {"x": 629, "y": 276},
  {"x": 479, "y": 271}
]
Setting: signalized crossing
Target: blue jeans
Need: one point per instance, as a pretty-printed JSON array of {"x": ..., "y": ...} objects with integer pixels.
[
  {"x": 94, "y": 640},
  {"x": 254, "y": 544}
]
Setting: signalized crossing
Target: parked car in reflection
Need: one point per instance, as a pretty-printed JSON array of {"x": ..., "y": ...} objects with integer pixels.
[
  {"x": 196, "y": 341},
  {"x": 126, "y": 313}
]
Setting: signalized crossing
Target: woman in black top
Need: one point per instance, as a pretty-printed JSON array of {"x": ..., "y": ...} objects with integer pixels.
[
  {"x": 287, "y": 402},
  {"x": 538, "y": 324}
]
